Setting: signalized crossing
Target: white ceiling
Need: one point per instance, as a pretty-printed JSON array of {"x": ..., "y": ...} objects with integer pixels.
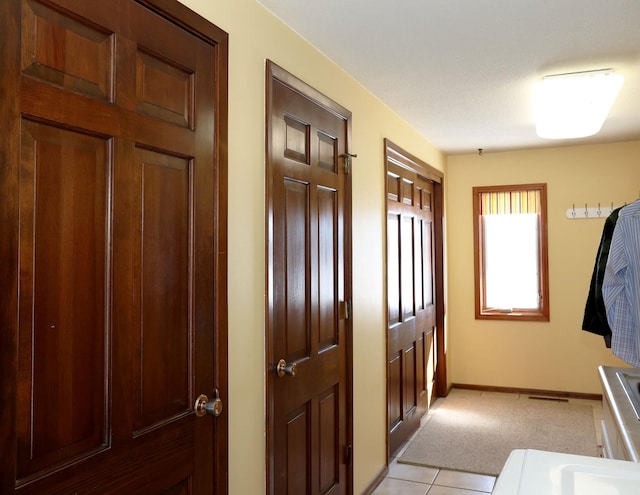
[{"x": 463, "y": 72}]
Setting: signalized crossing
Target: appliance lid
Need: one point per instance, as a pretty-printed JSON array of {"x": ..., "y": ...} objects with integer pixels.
[{"x": 532, "y": 472}]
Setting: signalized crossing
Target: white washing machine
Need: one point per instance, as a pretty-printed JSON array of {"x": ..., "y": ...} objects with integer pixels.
[{"x": 535, "y": 472}]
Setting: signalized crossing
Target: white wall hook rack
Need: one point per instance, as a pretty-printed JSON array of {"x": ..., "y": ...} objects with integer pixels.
[{"x": 589, "y": 212}]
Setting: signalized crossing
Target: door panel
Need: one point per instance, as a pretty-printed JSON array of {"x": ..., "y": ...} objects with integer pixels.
[
  {"x": 62, "y": 347},
  {"x": 309, "y": 418},
  {"x": 162, "y": 342},
  {"x": 67, "y": 51},
  {"x": 411, "y": 288},
  {"x": 114, "y": 193},
  {"x": 296, "y": 267}
]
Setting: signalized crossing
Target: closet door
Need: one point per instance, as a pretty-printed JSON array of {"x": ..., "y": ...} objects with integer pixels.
[
  {"x": 109, "y": 199},
  {"x": 412, "y": 243}
]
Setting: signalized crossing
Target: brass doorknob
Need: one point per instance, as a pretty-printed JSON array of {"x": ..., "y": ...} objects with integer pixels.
[
  {"x": 204, "y": 406},
  {"x": 284, "y": 368}
]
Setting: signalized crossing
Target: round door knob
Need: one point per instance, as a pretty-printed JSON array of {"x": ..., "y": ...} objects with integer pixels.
[
  {"x": 284, "y": 368},
  {"x": 204, "y": 406}
]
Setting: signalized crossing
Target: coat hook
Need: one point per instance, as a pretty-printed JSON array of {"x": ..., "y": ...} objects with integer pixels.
[
  {"x": 347, "y": 161},
  {"x": 480, "y": 151},
  {"x": 573, "y": 212},
  {"x": 586, "y": 210}
]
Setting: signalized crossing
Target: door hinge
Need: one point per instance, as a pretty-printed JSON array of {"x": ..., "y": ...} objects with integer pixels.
[
  {"x": 348, "y": 454},
  {"x": 345, "y": 309},
  {"x": 347, "y": 162}
]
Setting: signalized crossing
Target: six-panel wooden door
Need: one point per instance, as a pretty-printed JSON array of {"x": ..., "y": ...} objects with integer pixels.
[
  {"x": 308, "y": 289},
  {"x": 111, "y": 240}
]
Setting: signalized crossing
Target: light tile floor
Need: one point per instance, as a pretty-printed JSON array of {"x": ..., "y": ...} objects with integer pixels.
[{"x": 405, "y": 479}]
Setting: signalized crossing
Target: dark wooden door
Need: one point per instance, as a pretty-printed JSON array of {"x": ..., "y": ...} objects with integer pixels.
[
  {"x": 112, "y": 228},
  {"x": 411, "y": 294},
  {"x": 308, "y": 286}
]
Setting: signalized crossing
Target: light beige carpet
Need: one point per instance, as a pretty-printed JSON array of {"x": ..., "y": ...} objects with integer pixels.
[{"x": 476, "y": 433}]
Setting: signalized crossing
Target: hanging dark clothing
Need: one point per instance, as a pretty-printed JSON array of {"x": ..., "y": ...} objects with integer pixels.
[{"x": 595, "y": 314}]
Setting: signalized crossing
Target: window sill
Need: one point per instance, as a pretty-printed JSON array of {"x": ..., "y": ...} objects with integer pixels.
[{"x": 512, "y": 316}]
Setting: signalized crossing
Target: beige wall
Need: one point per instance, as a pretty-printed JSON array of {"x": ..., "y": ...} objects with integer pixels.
[
  {"x": 254, "y": 36},
  {"x": 552, "y": 356},
  {"x": 555, "y": 355}
]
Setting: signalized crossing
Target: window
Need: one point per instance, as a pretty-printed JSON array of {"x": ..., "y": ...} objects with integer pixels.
[{"x": 511, "y": 261}]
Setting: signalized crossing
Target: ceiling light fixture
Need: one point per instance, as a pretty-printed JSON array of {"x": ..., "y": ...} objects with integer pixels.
[{"x": 575, "y": 105}]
